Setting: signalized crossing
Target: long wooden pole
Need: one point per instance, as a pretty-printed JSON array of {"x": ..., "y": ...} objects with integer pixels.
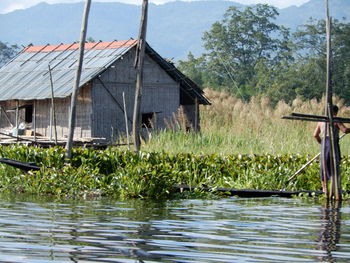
[
  {"x": 53, "y": 111},
  {"x": 126, "y": 121},
  {"x": 77, "y": 80},
  {"x": 17, "y": 118},
  {"x": 139, "y": 61},
  {"x": 335, "y": 189},
  {"x": 34, "y": 119},
  {"x": 327, "y": 126},
  {"x": 196, "y": 115}
]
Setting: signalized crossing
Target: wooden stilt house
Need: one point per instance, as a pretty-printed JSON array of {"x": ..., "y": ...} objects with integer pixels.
[{"x": 108, "y": 72}]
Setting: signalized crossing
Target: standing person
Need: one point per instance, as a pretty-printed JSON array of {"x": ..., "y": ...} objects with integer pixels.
[{"x": 325, "y": 166}]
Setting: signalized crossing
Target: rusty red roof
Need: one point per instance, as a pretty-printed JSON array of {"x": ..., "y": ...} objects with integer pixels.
[
  {"x": 26, "y": 76},
  {"x": 75, "y": 46}
]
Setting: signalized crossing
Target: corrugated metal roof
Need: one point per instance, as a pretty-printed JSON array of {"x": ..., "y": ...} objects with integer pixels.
[{"x": 27, "y": 77}]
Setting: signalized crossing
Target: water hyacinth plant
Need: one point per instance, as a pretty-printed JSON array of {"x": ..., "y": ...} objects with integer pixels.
[{"x": 126, "y": 174}]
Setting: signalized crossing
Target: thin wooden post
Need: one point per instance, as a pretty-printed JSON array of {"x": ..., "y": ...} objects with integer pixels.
[
  {"x": 50, "y": 124},
  {"x": 139, "y": 61},
  {"x": 126, "y": 121},
  {"x": 77, "y": 80},
  {"x": 17, "y": 118},
  {"x": 335, "y": 189},
  {"x": 34, "y": 119},
  {"x": 196, "y": 115},
  {"x": 53, "y": 112}
]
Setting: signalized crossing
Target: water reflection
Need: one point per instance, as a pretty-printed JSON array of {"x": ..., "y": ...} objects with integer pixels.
[
  {"x": 196, "y": 231},
  {"x": 331, "y": 225},
  {"x": 111, "y": 231}
]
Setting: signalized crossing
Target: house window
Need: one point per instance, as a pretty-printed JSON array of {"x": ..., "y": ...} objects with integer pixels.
[
  {"x": 28, "y": 115},
  {"x": 148, "y": 120}
]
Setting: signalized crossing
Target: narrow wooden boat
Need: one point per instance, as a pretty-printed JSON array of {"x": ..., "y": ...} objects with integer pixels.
[
  {"x": 20, "y": 165},
  {"x": 249, "y": 192}
]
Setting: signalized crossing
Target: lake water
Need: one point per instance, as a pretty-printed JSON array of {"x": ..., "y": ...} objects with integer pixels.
[{"x": 225, "y": 230}]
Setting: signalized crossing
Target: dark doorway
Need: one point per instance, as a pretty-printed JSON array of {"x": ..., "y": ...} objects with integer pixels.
[{"x": 28, "y": 116}]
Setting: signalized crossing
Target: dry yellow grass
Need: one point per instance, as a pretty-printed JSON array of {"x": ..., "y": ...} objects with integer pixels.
[{"x": 231, "y": 126}]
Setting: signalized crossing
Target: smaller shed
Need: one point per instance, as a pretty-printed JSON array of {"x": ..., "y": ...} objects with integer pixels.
[{"x": 108, "y": 75}]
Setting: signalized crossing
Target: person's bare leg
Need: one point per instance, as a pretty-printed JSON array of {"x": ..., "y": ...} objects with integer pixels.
[{"x": 324, "y": 186}]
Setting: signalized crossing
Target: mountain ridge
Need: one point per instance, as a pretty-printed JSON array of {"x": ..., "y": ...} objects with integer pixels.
[{"x": 174, "y": 28}]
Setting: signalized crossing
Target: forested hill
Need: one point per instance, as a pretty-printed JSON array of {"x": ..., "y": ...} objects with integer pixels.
[{"x": 174, "y": 28}]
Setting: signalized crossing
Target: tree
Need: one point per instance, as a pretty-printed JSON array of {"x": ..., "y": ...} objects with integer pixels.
[
  {"x": 194, "y": 68},
  {"x": 7, "y": 52},
  {"x": 310, "y": 43},
  {"x": 249, "y": 55},
  {"x": 240, "y": 43}
]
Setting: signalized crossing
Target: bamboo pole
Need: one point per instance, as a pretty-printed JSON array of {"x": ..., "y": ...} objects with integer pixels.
[
  {"x": 335, "y": 189},
  {"x": 304, "y": 166},
  {"x": 53, "y": 112},
  {"x": 139, "y": 61},
  {"x": 126, "y": 121},
  {"x": 50, "y": 124},
  {"x": 303, "y": 119},
  {"x": 315, "y": 118},
  {"x": 34, "y": 120},
  {"x": 17, "y": 117},
  {"x": 196, "y": 115},
  {"x": 77, "y": 80}
]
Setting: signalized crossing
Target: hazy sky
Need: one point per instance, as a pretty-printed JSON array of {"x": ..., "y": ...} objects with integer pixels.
[{"x": 10, "y": 5}]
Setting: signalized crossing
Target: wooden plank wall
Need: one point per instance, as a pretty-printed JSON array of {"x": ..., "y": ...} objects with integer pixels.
[
  {"x": 161, "y": 94},
  {"x": 62, "y": 105},
  {"x": 189, "y": 112},
  {"x": 5, "y": 126}
]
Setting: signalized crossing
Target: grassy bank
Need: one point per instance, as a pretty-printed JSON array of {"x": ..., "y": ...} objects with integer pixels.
[
  {"x": 152, "y": 175},
  {"x": 231, "y": 126}
]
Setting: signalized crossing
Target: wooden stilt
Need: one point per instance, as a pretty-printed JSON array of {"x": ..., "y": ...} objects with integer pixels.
[
  {"x": 53, "y": 112},
  {"x": 77, "y": 81},
  {"x": 34, "y": 119},
  {"x": 196, "y": 115},
  {"x": 17, "y": 118},
  {"x": 139, "y": 60},
  {"x": 50, "y": 124},
  {"x": 335, "y": 191},
  {"x": 126, "y": 121}
]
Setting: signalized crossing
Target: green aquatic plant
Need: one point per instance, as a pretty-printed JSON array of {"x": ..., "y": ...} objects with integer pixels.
[{"x": 127, "y": 174}]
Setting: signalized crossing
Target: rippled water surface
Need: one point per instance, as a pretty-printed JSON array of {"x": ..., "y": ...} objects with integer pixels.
[{"x": 226, "y": 230}]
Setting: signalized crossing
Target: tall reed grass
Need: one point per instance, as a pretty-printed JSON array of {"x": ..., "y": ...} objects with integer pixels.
[{"x": 233, "y": 126}]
